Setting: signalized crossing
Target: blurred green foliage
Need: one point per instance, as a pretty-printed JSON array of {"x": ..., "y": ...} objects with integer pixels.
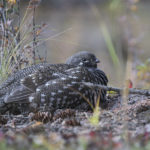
[
  {"x": 143, "y": 73},
  {"x": 109, "y": 45}
]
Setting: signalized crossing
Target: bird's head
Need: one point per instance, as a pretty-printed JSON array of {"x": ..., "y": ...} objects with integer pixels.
[{"x": 84, "y": 58}]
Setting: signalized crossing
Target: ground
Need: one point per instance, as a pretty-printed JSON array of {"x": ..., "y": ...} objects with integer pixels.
[{"x": 121, "y": 126}]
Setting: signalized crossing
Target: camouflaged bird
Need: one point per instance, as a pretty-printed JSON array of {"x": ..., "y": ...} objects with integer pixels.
[{"x": 54, "y": 86}]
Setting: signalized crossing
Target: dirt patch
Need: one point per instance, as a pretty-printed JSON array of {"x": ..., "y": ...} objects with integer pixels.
[{"x": 118, "y": 126}]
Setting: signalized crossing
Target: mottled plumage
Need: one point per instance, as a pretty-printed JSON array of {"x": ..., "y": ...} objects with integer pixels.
[{"x": 54, "y": 86}]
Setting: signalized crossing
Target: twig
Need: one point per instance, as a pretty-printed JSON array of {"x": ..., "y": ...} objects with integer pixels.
[
  {"x": 118, "y": 90},
  {"x": 19, "y": 22}
]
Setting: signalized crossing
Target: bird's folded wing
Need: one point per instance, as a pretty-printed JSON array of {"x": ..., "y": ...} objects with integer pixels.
[
  {"x": 27, "y": 87},
  {"x": 15, "y": 78},
  {"x": 20, "y": 94}
]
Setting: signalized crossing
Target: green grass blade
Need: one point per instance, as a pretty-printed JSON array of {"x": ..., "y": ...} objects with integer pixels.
[{"x": 110, "y": 46}]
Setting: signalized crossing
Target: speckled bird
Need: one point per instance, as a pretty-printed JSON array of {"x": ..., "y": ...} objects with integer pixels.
[{"x": 54, "y": 86}]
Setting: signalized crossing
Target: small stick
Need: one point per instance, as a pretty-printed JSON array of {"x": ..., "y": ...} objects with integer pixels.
[{"x": 118, "y": 90}]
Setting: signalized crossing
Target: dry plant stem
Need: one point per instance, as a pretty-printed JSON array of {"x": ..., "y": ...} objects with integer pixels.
[
  {"x": 85, "y": 98},
  {"x": 118, "y": 90},
  {"x": 34, "y": 35},
  {"x": 19, "y": 21}
]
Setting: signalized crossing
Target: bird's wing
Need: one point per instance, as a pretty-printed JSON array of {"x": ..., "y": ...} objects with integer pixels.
[
  {"x": 20, "y": 94},
  {"x": 45, "y": 70},
  {"x": 14, "y": 79},
  {"x": 28, "y": 86},
  {"x": 25, "y": 89}
]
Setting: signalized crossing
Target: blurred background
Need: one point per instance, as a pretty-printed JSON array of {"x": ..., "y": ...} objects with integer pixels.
[{"x": 116, "y": 31}]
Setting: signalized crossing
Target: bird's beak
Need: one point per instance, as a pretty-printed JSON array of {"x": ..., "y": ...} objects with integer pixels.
[{"x": 97, "y": 60}]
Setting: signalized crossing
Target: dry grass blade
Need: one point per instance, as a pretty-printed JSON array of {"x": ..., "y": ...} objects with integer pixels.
[
  {"x": 85, "y": 98},
  {"x": 94, "y": 120}
]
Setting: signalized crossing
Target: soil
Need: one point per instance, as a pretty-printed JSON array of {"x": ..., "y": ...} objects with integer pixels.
[{"x": 121, "y": 125}]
